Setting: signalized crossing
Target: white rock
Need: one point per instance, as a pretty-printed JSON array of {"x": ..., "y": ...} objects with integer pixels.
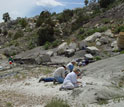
[
  {"x": 109, "y": 33},
  {"x": 50, "y": 53},
  {"x": 98, "y": 43},
  {"x": 88, "y": 56},
  {"x": 93, "y": 37},
  {"x": 92, "y": 49},
  {"x": 114, "y": 43},
  {"x": 61, "y": 48},
  {"x": 73, "y": 45}
]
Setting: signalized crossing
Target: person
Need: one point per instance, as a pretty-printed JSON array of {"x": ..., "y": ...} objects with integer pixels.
[
  {"x": 70, "y": 81},
  {"x": 58, "y": 76},
  {"x": 10, "y": 60},
  {"x": 70, "y": 66}
]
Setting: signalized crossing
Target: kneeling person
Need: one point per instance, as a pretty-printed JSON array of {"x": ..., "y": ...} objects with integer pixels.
[
  {"x": 58, "y": 75},
  {"x": 70, "y": 81}
]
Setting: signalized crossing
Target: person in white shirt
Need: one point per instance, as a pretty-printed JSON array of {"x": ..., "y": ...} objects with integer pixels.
[{"x": 70, "y": 81}]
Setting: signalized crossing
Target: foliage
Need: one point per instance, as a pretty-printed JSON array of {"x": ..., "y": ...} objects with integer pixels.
[
  {"x": 5, "y": 32},
  {"x": 102, "y": 101},
  {"x": 65, "y": 16},
  {"x": 97, "y": 58},
  {"x": 0, "y": 31},
  {"x": 43, "y": 18},
  {"x": 45, "y": 33},
  {"x": 119, "y": 29},
  {"x": 86, "y": 2},
  {"x": 122, "y": 52},
  {"x": 23, "y": 22},
  {"x": 8, "y": 104},
  {"x": 10, "y": 34},
  {"x": 19, "y": 33},
  {"x": 105, "y": 3},
  {"x": 47, "y": 45},
  {"x": 106, "y": 20},
  {"x": 82, "y": 19},
  {"x": 57, "y": 103},
  {"x": 87, "y": 32},
  {"x": 6, "y": 17},
  {"x": 55, "y": 43}
]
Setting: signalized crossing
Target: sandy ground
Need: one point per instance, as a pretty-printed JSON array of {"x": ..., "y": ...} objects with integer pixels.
[{"x": 23, "y": 89}]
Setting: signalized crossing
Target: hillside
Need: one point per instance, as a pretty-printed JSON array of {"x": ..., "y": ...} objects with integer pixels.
[{"x": 39, "y": 45}]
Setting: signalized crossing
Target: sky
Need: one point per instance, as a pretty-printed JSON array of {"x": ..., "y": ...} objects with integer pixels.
[{"x": 31, "y": 8}]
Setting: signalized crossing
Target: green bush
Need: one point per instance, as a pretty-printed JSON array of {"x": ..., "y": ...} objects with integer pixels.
[
  {"x": 47, "y": 45},
  {"x": 43, "y": 18},
  {"x": 18, "y": 34},
  {"x": 55, "y": 43},
  {"x": 0, "y": 31},
  {"x": 57, "y": 103},
  {"x": 119, "y": 29},
  {"x": 65, "y": 16},
  {"x": 106, "y": 20},
  {"x": 5, "y": 32},
  {"x": 97, "y": 58},
  {"x": 122, "y": 52},
  {"x": 105, "y": 3},
  {"x": 87, "y": 32},
  {"x": 23, "y": 22},
  {"x": 45, "y": 34}
]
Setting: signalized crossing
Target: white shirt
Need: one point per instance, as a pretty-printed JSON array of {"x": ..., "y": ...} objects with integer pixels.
[
  {"x": 59, "y": 72},
  {"x": 72, "y": 77}
]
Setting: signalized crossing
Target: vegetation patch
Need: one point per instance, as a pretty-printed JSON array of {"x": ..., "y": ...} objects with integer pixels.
[{"x": 57, "y": 103}]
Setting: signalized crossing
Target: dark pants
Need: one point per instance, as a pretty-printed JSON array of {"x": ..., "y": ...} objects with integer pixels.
[{"x": 48, "y": 79}]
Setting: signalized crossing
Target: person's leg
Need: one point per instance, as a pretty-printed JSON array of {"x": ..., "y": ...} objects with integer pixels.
[
  {"x": 59, "y": 79},
  {"x": 46, "y": 79}
]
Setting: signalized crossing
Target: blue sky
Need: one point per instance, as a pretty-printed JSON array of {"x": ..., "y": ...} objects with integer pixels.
[{"x": 30, "y": 8}]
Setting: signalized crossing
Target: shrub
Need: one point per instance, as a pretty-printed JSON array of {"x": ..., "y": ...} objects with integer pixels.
[
  {"x": 55, "y": 43},
  {"x": 97, "y": 58},
  {"x": 122, "y": 52},
  {"x": 57, "y": 103},
  {"x": 23, "y": 22},
  {"x": 5, "y": 32},
  {"x": 65, "y": 16},
  {"x": 44, "y": 16},
  {"x": 106, "y": 20},
  {"x": 47, "y": 45},
  {"x": 105, "y": 3},
  {"x": 10, "y": 34},
  {"x": 45, "y": 34},
  {"x": 0, "y": 31},
  {"x": 119, "y": 29},
  {"x": 18, "y": 34}
]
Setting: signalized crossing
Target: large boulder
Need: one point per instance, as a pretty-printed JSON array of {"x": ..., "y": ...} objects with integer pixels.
[
  {"x": 93, "y": 37},
  {"x": 50, "y": 53},
  {"x": 109, "y": 33},
  {"x": 114, "y": 45},
  {"x": 73, "y": 45},
  {"x": 88, "y": 56},
  {"x": 42, "y": 59},
  {"x": 92, "y": 50},
  {"x": 69, "y": 52},
  {"x": 104, "y": 40},
  {"x": 62, "y": 48}
]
